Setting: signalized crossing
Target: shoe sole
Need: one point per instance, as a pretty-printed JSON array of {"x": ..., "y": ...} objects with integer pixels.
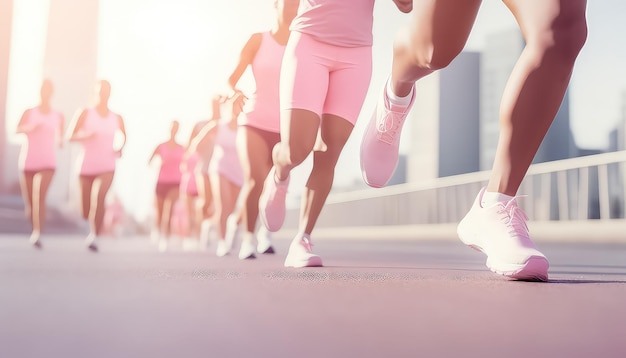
[
  {"x": 534, "y": 269},
  {"x": 269, "y": 250},
  {"x": 249, "y": 257},
  {"x": 311, "y": 262}
]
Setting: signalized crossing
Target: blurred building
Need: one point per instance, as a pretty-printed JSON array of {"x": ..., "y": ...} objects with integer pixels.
[
  {"x": 70, "y": 61},
  {"x": 444, "y": 121},
  {"x": 617, "y": 137},
  {"x": 6, "y": 15},
  {"x": 501, "y": 51},
  {"x": 455, "y": 120}
]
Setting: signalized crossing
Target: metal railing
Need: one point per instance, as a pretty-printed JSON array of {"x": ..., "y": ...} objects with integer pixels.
[{"x": 583, "y": 188}]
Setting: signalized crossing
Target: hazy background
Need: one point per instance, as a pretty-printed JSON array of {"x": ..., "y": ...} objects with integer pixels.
[{"x": 166, "y": 58}]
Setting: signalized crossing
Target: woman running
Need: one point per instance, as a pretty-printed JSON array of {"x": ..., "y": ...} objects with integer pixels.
[
  {"x": 203, "y": 146},
  {"x": 225, "y": 170},
  {"x": 95, "y": 129},
  {"x": 324, "y": 78},
  {"x": 260, "y": 126},
  {"x": 167, "y": 189},
  {"x": 43, "y": 128}
]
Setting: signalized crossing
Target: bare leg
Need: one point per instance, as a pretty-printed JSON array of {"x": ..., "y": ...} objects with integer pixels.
[
  {"x": 206, "y": 194},
  {"x": 86, "y": 186},
  {"x": 225, "y": 199},
  {"x": 41, "y": 184},
  {"x": 298, "y": 133},
  {"x": 96, "y": 213},
  {"x": 335, "y": 131},
  {"x": 192, "y": 223},
  {"x": 436, "y": 35},
  {"x": 256, "y": 161},
  {"x": 159, "y": 204},
  {"x": 26, "y": 185},
  {"x": 555, "y": 31},
  {"x": 168, "y": 211}
]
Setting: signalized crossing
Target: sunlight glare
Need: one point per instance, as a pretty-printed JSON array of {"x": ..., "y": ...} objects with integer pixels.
[{"x": 30, "y": 22}]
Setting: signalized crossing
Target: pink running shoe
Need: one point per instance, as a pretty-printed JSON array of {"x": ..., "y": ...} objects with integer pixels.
[
  {"x": 381, "y": 142},
  {"x": 301, "y": 253},
  {"x": 501, "y": 233},
  {"x": 272, "y": 208}
]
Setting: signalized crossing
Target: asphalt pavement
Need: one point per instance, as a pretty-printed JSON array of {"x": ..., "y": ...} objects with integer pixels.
[{"x": 374, "y": 298}]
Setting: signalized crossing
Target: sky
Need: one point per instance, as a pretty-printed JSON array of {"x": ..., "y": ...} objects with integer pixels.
[{"x": 166, "y": 58}]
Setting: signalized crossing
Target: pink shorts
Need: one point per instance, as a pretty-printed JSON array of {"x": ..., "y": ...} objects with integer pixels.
[{"x": 324, "y": 78}]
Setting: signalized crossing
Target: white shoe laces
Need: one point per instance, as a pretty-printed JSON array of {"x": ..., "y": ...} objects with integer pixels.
[
  {"x": 389, "y": 125},
  {"x": 514, "y": 218},
  {"x": 308, "y": 245}
]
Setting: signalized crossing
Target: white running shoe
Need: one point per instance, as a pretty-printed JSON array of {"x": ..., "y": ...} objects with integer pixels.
[
  {"x": 222, "y": 248},
  {"x": 207, "y": 233},
  {"x": 163, "y": 244},
  {"x": 272, "y": 207},
  {"x": 154, "y": 236},
  {"x": 381, "y": 141},
  {"x": 190, "y": 244},
  {"x": 35, "y": 239},
  {"x": 90, "y": 242},
  {"x": 501, "y": 233},
  {"x": 247, "y": 249},
  {"x": 264, "y": 241},
  {"x": 233, "y": 231},
  {"x": 301, "y": 254}
]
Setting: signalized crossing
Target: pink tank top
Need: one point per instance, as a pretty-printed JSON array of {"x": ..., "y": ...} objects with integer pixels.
[
  {"x": 98, "y": 154},
  {"x": 39, "y": 150},
  {"x": 171, "y": 158},
  {"x": 345, "y": 23},
  {"x": 263, "y": 110}
]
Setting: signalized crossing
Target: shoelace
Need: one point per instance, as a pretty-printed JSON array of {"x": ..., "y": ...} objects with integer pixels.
[
  {"x": 389, "y": 125},
  {"x": 308, "y": 245},
  {"x": 515, "y": 218}
]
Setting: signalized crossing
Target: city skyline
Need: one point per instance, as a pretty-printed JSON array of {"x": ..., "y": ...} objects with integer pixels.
[{"x": 129, "y": 56}]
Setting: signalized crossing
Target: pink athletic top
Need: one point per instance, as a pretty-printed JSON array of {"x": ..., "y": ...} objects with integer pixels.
[
  {"x": 225, "y": 160},
  {"x": 345, "y": 23},
  {"x": 39, "y": 150},
  {"x": 171, "y": 157},
  {"x": 263, "y": 110},
  {"x": 98, "y": 154}
]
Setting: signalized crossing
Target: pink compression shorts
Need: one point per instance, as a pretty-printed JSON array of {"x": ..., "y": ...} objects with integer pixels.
[{"x": 324, "y": 78}]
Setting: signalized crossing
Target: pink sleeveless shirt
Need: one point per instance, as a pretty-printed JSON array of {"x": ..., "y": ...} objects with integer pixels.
[
  {"x": 171, "y": 158},
  {"x": 39, "y": 150},
  {"x": 98, "y": 154},
  {"x": 263, "y": 110},
  {"x": 345, "y": 23}
]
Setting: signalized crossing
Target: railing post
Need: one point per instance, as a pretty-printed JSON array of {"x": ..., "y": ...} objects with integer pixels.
[
  {"x": 563, "y": 200},
  {"x": 603, "y": 192},
  {"x": 583, "y": 193}
]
